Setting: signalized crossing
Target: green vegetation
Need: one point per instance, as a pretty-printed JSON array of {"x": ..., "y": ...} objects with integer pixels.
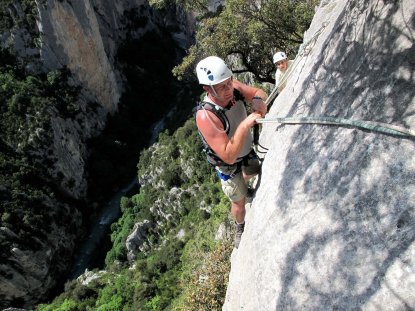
[
  {"x": 252, "y": 31},
  {"x": 207, "y": 286},
  {"x": 27, "y": 103},
  {"x": 180, "y": 266}
]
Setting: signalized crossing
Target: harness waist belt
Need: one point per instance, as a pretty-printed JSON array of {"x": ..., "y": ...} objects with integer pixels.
[{"x": 226, "y": 177}]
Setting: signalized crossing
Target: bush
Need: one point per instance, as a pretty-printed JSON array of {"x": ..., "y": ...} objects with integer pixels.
[
  {"x": 207, "y": 287},
  {"x": 117, "y": 295},
  {"x": 67, "y": 305}
]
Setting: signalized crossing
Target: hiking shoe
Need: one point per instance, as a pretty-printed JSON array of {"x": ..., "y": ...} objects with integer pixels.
[
  {"x": 250, "y": 193},
  {"x": 239, "y": 230}
]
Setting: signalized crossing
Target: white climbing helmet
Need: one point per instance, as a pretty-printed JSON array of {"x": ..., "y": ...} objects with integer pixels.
[
  {"x": 212, "y": 70},
  {"x": 279, "y": 56}
]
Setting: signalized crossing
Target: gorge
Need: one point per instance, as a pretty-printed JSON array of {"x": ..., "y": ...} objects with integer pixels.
[{"x": 78, "y": 152}]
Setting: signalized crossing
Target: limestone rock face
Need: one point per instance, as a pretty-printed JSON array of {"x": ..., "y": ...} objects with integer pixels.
[
  {"x": 84, "y": 36},
  {"x": 70, "y": 153},
  {"x": 332, "y": 224}
]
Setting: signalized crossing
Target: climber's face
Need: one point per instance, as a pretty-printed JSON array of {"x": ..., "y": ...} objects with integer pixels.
[
  {"x": 225, "y": 89},
  {"x": 282, "y": 64},
  {"x": 222, "y": 92}
]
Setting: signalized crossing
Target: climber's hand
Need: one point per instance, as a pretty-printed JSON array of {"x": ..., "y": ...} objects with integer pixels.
[
  {"x": 250, "y": 120},
  {"x": 259, "y": 106}
]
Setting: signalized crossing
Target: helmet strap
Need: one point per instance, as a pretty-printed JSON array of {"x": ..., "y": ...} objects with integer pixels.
[{"x": 214, "y": 94}]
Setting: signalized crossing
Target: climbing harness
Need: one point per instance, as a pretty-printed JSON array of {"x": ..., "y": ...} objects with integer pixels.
[
  {"x": 219, "y": 112},
  {"x": 226, "y": 177},
  {"x": 236, "y": 167}
]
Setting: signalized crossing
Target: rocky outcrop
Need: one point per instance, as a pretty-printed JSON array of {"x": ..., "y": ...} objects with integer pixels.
[
  {"x": 332, "y": 224},
  {"x": 85, "y": 36},
  {"x": 31, "y": 270},
  {"x": 137, "y": 240},
  {"x": 71, "y": 36}
]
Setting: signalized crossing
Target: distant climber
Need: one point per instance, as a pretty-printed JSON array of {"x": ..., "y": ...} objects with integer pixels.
[
  {"x": 225, "y": 130},
  {"x": 282, "y": 63}
]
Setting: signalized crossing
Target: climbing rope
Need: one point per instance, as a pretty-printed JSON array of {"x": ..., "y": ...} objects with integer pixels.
[{"x": 369, "y": 125}]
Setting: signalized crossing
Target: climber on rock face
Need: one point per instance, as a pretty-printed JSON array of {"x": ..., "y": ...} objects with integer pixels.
[
  {"x": 225, "y": 129},
  {"x": 282, "y": 63}
]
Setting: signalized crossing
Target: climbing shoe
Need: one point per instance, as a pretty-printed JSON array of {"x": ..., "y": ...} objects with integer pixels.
[{"x": 239, "y": 230}]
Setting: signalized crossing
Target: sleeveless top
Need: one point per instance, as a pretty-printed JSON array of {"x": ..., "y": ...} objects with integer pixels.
[{"x": 235, "y": 115}]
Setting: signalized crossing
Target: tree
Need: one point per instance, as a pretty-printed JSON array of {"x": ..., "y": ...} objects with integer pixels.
[{"x": 250, "y": 31}]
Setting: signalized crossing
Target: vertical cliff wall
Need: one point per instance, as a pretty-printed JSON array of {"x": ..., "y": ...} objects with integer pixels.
[
  {"x": 332, "y": 225},
  {"x": 84, "y": 36}
]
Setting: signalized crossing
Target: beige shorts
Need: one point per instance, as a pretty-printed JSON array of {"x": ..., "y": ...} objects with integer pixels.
[{"x": 235, "y": 188}]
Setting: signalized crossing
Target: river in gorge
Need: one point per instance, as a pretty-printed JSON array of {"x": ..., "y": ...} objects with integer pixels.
[
  {"x": 97, "y": 243},
  {"x": 93, "y": 249}
]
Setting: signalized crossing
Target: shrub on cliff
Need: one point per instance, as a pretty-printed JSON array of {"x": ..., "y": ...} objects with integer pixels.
[{"x": 206, "y": 289}]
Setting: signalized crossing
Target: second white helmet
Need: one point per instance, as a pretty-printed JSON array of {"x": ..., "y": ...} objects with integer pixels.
[
  {"x": 279, "y": 56},
  {"x": 212, "y": 70}
]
